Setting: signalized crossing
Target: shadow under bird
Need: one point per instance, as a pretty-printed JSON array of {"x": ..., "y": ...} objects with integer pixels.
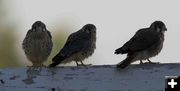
[
  {"x": 146, "y": 43},
  {"x": 37, "y": 44},
  {"x": 79, "y": 46}
]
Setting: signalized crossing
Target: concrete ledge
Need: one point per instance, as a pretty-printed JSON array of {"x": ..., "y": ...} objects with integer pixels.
[{"x": 146, "y": 77}]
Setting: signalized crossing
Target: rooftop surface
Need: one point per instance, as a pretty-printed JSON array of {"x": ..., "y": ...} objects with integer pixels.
[{"x": 144, "y": 77}]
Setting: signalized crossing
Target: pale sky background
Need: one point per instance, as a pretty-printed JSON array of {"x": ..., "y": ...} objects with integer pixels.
[{"x": 116, "y": 22}]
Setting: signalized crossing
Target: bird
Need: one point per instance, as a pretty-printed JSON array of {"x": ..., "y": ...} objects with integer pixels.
[
  {"x": 146, "y": 43},
  {"x": 37, "y": 44},
  {"x": 79, "y": 46}
]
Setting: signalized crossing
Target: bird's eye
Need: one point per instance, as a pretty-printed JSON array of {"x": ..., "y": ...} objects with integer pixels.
[
  {"x": 33, "y": 30},
  {"x": 158, "y": 29},
  {"x": 87, "y": 30},
  {"x": 44, "y": 29}
]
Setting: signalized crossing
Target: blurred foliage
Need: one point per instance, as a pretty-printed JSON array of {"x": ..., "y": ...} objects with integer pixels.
[
  {"x": 8, "y": 53},
  {"x": 8, "y": 57}
]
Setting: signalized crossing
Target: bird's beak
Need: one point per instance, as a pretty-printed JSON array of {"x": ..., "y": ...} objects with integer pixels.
[{"x": 40, "y": 29}]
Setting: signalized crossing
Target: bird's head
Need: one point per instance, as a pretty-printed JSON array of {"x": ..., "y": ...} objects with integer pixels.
[
  {"x": 89, "y": 28},
  {"x": 39, "y": 26},
  {"x": 158, "y": 26}
]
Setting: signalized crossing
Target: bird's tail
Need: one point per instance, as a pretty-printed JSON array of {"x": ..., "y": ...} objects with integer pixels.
[
  {"x": 120, "y": 51},
  {"x": 123, "y": 64},
  {"x": 57, "y": 60}
]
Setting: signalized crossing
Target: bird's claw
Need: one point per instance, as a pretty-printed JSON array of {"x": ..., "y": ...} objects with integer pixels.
[
  {"x": 152, "y": 63},
  {"x": 84, "y": 65},
  {"x": 35, "y": 67}
]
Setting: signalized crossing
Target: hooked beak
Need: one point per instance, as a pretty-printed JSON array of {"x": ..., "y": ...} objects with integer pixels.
[{"x": 40, "y": 28}]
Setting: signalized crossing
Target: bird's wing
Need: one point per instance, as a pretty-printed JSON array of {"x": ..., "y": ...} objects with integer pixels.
[
  {"x": 49, "y": 34},
  {"x": 26, "y": 38},
  {"x": 75, "y": 43},
  {"x": 143, "y": 39}
]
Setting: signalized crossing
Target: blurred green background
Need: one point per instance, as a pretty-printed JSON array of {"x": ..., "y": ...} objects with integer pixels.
[{"x": 8, "y": 57}]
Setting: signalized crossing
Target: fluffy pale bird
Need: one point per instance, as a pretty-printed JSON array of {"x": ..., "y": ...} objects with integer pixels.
[{"x": 37, "y": 44}]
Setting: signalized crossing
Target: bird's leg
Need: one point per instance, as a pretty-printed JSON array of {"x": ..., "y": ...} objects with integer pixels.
[
  {"x": 141, "y": 62},
  {"x": 77, "y": 63},
  {"x": 30, "y": 67},
  {"x": 82, "y": 64},
  {"x": 150, "y": 62},
  {"x": 37, "y": 66}
]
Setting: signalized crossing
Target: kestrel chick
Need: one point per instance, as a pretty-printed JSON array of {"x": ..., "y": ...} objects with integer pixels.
[
  {"x": 37, "y": 44},
  {"x": 146, "y": 43},
  {"x": 79, "y": 46}
]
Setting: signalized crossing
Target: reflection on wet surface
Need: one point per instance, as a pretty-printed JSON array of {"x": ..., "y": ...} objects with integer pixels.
[{"x": 31, "y": 74}]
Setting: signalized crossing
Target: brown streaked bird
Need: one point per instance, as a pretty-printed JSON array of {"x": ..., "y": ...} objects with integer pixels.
[
  {"x": 79, "y": 46},
  {"x": 37, "y": 44},
  {"x": 146, "y": 43}
]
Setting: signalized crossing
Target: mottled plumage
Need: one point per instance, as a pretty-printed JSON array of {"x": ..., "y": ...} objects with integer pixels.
[
  {"x": 79, "y": 45},
  {"x": 146, "y": 43},
  {"x": 37, "y": 44}
]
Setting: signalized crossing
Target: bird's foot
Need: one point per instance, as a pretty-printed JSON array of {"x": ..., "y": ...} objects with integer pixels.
[
  {"x": 152, "y": 63},
  {"x": 39, "y": 68},
  {"x": 84, "y": 65},
  {"x": 118, "y": 66},
  {"x": 34, "y": 68}
]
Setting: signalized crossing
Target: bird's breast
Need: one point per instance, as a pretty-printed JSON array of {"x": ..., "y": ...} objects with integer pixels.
[{"x": 152, "y": 51}]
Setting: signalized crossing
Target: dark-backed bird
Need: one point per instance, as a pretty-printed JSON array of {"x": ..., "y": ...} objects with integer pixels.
[
  {"x": 37, "y": 44},
  {"x": 146, "y": 43},
  {"x": 79, "y": 46}
]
